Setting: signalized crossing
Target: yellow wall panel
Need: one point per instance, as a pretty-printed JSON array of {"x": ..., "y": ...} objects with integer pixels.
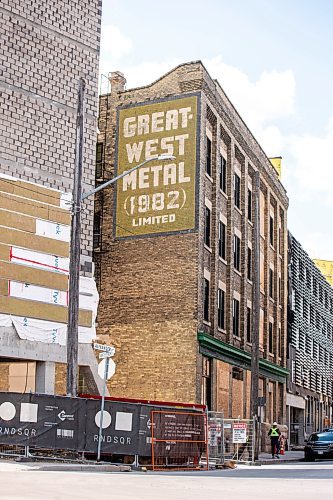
[
  {"x": 29, "y": 190},
  {"x": 4, "y": 252},
  {"x": 33, "y": 242},
  {"x": 32, "y": 275},
  {"x": 40, "y": 310},
  {"x": 17, "y": 221},
  {"x": 34, "y": 209}
]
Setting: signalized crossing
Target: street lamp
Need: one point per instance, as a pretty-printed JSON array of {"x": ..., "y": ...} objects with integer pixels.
[{"x": 74, "y": 263}]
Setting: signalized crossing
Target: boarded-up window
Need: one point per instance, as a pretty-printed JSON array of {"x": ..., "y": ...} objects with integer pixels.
[
  {"x": 261, "y": 329},
  {"x": 262, "y": 213}
]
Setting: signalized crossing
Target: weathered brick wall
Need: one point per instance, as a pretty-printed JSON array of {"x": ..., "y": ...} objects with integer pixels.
[
  {"x": 46, "y": 46},
  {"x": 147, "y": 310},
  {"x": 135, "y": 304}
]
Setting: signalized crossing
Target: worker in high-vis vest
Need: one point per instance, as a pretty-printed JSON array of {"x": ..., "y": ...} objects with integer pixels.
[{"x": 274, "y": 433}]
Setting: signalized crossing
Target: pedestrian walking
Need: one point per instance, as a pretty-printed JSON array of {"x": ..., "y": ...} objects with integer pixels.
[{"x": 274, "y": 433}]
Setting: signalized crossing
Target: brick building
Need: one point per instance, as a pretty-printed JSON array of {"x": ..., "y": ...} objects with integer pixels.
[
  {"x": 174, "y": 247},
  {"x": 310, "y": 346},
  {"x": 46, "y": 46}
]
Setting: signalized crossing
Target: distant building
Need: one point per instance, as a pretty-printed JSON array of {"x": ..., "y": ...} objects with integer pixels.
[
  {"x": 326, "y": 268},
  {"x": 310, "y": 346},
  {"x": 174, "y": 247},
  {"x": 46, "y": 46}
]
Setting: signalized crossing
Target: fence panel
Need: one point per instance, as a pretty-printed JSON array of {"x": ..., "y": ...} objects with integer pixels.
[{"x": 230, "y": 439}]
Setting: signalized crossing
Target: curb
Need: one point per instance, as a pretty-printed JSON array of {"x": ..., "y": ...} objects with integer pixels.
[
  {"x": 82, "y": 468},
  {"x": 278, "y": 461}
]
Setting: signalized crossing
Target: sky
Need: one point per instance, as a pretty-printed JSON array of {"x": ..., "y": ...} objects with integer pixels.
[{"x": 272, "y": 58}]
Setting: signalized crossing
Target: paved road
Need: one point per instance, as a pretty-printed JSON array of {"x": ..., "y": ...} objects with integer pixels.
[{"x": 296, "y": 481}]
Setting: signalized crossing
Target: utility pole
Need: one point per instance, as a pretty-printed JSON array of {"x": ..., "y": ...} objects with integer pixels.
[
  {"x": 74, "y": 263},
  {"x": 256, "y": 310}
]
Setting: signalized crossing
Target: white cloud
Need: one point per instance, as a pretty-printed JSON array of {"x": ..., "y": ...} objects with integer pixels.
[
  {"x": 260, "y": 103},
  {"x": 269, "y": 98},
  {"x": 318, "y": 244},
  {"x": 312, "y": 163},
  {"x": 114, "y": 45}
]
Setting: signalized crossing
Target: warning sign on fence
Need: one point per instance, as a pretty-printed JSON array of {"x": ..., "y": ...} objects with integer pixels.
[{"x": 239, "y": 431}]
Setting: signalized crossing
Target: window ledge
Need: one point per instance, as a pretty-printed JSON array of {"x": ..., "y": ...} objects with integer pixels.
[
  {"x": 271, "y": 300},
  {"x": 222, "y": 330},
  {"x": 238, "y": 210},
  {"x": 206, "y": 247},
  {"x": 223, "y": 260},
  {"x": 250, "y": 282},
  {"x": 224, "y": 194},
  {"x": 250, "y": 222},
  {"x": 272, "y": 247},
  {"x": 208, "y": 323},
  {"x": 238, "y": 272},
  {"x": 209, "y": 177}
]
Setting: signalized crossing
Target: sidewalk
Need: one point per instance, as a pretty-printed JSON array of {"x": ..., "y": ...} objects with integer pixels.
[{"x": 289, "y": 456}]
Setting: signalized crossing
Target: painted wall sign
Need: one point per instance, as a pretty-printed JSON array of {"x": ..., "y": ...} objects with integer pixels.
[{"x": 159, "y": 197}]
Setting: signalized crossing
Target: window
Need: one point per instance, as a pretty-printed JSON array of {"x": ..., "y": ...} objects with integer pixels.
[
  {"x": 237, "y": 373},
  {"x": 221, "y": 308},
  {"x": 235, "y": 317},
  {"x": 280, "y": 342},
  {"x": 206, "y": 299},
  {"x": 97, "y": 230},
  {"x": 237, "y": 190},
  {"x": 271, "y": 283},
  {"x": 271, "y": 231},
  {"x": 207, "y": 226},
  {"x": 280, "y": 291},
  {"x": 222, "y": 241},
  {"x": 236, "y": 253},
  {"x": 223, "y": 174},
  {"x": 249, "y": 264},
  {"x": 270, "y": 337},
  {"x": 248, "y": 324},
  {"x": 208, "y": 156},
  {"x": 99, "y": 159},
  {"x": 249, "y": 204}
]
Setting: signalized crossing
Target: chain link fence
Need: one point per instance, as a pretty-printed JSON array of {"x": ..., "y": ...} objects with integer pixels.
[{"x": 230, "y": 439}]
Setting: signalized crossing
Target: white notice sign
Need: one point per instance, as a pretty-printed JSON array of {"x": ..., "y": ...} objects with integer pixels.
[{"x": 239, "y": 432}]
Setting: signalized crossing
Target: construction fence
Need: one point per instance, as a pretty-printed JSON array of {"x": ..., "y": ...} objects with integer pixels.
[
  {"x": 134, "y": 433},
  {"x": 230, "y": 439}
]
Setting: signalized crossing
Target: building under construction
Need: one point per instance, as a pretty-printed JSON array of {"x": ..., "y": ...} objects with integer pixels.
[{"x": 46, "y": 47}]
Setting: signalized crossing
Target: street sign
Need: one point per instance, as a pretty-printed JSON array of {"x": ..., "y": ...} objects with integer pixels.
[
  {"x": 104, "y": 348},
  {"x": 239, "y": 432},
  {"x": 103, "y": 355},
  {"x": 110, "y": 369}
]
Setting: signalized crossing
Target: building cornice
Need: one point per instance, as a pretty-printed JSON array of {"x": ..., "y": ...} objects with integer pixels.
[{"x": 220, "y": 350}]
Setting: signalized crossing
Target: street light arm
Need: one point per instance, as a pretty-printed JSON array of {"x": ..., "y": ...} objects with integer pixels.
[{"x": 126, "y": 172}]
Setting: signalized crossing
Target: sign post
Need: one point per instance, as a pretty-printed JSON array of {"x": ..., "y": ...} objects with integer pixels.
[{"x": 105, "y": 355}]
